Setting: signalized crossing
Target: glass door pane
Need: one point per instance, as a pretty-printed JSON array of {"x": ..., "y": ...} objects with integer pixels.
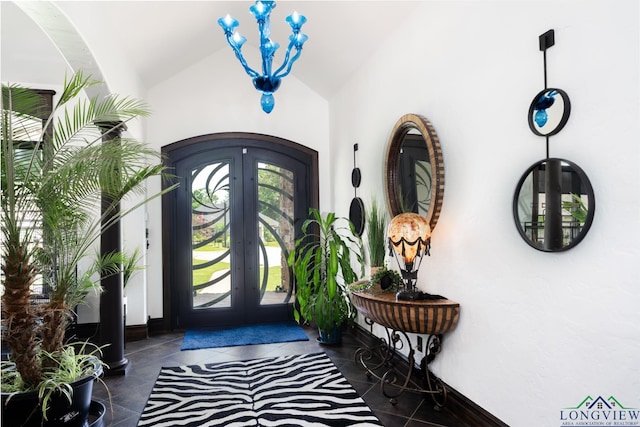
[
  {"x": 210, "y": 237},
  {"x": 276, "y": 232}
]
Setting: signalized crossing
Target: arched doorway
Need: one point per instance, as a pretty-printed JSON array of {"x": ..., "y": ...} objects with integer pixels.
[{"x": 229, "y": 227}]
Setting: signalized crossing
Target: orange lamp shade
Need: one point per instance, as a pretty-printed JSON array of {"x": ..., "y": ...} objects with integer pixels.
[{"x": 409, "y": 235}]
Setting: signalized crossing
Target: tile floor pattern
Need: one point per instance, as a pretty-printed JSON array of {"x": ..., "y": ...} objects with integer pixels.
[{"x": 129, "y": 392}]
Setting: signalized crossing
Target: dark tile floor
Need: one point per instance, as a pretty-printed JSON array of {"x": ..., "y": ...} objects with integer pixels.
[{"x": 129, "y": 392}]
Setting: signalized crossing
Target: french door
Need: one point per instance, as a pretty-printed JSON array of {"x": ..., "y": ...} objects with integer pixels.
[{"x": 231, "y": 225}]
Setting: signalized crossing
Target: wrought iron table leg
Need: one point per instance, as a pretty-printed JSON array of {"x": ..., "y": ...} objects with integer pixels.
[
  {"x": 379, "y": 356},
  {"x": 434, "y": 384}
]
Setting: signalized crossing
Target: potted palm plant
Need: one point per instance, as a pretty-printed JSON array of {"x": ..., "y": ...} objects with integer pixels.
[
  {"x": 54, "y": 187},
  {"x": 322, "y": 264}
]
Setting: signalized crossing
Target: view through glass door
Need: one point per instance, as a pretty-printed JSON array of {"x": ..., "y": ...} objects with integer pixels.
[
  {"x": 212, "y": 245},
  {"x": 237, "y": 211}
]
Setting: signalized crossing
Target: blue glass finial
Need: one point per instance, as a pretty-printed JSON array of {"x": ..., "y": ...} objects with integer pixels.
[{"x": 267, "y": 101}]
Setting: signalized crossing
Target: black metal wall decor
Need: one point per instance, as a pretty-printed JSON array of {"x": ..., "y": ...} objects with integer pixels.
[
  {"x": 554, "y": 203},
  {"x": 356, "y": 210}
]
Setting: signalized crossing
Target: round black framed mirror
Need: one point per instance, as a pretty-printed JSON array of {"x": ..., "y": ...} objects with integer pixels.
[
  {"x": 414, "y": 169},
  {"x": 553, "y": 205}
]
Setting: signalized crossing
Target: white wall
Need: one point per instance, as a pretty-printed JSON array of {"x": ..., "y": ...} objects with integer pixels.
[
  {"x": 118, "y": 75},
  {"x": 538, "y": 331}
]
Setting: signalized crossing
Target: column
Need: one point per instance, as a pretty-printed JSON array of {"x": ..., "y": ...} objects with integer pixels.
[{"x": 111, "y": 308}]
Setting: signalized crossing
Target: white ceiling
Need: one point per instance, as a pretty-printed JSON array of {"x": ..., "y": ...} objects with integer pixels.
[{"x": 161, "y": 38}]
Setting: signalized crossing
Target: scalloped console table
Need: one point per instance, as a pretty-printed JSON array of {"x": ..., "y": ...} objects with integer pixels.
[{"x": 424, "y": 317}]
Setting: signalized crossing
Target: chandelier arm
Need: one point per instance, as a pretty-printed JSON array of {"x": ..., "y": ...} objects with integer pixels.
[
  {"x": 285, "y": 62},
  {"x": 251, "y": 72},
  {"x": 289, "y": 64},
  {"x": 264, "y": 27},
  {"x": 266, "y": 64}
]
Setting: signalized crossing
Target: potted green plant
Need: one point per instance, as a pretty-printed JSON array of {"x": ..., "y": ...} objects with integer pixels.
[
  {"x": 376, "y": 226},
  {"x": 322, "y": 264},
  {"x": 54, "y": 187},
  {"x": 130, "y": 265}
]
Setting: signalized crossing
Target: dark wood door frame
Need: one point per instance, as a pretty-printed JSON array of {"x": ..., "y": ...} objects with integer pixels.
[{"x": 200, "y": 144}]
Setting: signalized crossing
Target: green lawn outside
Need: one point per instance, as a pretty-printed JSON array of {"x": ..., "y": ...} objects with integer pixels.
[
  {"x": 211, "y": 247},
  {"x": 215, "y": 247},
  {"x": 204, "y": 275}
]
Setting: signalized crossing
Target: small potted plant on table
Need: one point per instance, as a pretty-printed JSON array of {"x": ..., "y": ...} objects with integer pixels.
[{"x": 387, "y": 280}]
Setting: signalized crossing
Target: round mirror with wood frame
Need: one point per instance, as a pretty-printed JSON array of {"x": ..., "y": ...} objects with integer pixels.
[{"x": 414, "y": 169}]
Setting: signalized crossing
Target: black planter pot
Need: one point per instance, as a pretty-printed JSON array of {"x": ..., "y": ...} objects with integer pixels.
[
  {"x": 330, "y": 337},
  {"x": 386, "y": 282},
  {"x": 24, "y": 409}
]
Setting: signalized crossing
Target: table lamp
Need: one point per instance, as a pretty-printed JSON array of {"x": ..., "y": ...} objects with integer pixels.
[{"x": 409, "y": 240}]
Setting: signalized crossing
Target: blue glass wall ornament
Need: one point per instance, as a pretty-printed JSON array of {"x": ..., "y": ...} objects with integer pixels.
[
  {"x": 549, "y": 112},
  {"x": 266, "y": 81},
  {"x": 544, "y": 102}
]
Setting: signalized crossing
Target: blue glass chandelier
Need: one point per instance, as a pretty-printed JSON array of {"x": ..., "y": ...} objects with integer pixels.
[{"x": 267, "y": 82}]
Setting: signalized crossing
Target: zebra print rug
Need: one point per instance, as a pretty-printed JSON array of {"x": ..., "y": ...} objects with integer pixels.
[{"x": 297, "y": 390}]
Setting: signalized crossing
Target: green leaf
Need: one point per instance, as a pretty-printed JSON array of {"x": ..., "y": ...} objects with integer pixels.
[{"x": 332, "y": 286}]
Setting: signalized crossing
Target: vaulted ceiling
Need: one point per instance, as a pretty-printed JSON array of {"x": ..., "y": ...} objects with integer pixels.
[{"x": 160, "y": 38}]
